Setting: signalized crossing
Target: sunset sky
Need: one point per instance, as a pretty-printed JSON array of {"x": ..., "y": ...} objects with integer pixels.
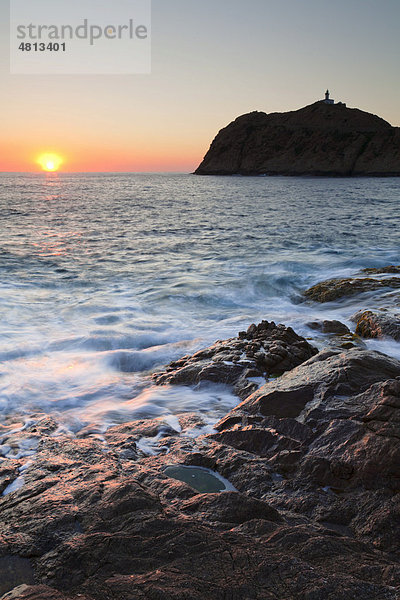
[{"x": 212, "y": 61}]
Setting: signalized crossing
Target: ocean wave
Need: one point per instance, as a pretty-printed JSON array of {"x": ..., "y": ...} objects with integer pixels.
[{"x": 105, "y": 278}]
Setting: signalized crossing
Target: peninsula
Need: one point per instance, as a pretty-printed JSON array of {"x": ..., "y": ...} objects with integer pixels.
[{"x": 324, "y": 138}]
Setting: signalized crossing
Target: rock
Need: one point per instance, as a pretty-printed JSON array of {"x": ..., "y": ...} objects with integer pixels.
[
  {"x": 331, "y": 386},
  {"x": 257, "y": 440},
  {"x": 335, "y": 327},
  {"x": 95, "y": 532},
  {"x": 380, "y": 270},
  {"x": 123, "y": 439},
  {"x": 39, "y": 592},
  {"x": 230, "y": 507},
  {"x": 314, "y": 456},
  {"x": 263, "y": 350},
  {"x": 8, "y": 473},
  {"x": 377, "y": 324},
  {"x": 341, "y": 337},
  {"x": 319, "y": 139},
  {"x": 329, "y": 374},
  {"x": 334, "y": 289},
  {"x": 14, "y": 571},
  {"x": 346, "y": 439},
  {"x": 346, "y": 345}
]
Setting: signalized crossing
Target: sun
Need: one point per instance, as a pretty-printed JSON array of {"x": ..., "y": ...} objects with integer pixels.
[{"x": 50, "y": 162}]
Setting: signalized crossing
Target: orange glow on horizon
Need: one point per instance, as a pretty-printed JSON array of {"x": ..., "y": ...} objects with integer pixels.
[
  {"x": 50, "y": 162},
  {"x": 91, "y": 156}
]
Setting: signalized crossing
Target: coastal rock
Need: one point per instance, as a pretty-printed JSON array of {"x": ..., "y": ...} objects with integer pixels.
[
  {"x": 38, "y": 592},
  {"x": 96, "y": 527},
  {"x": 319, "y": 139},
  {"x": 377, "y": 324},
  {"x": 231, "y": 507},
  {"x": 335, "y": 397},
  {"x": 382, "y": 270},
  {"x": 323, "y": 384},
  {"x": 334, "y": 289},
  {"x": 14, "y": 570},
  {"x": 362, "y": 451},
  {"x": 334, "y": 327},
  {"x": 265, "y": 349},
  {"x": 340, "y": 336},
  {"x": 340, "y": 456},
  {"x": 314, "y": 456}
]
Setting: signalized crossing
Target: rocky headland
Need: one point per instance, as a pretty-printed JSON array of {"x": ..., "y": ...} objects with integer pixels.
[
  {"x": 295, "y": 494},
  {"x": 320, "y": 139}
]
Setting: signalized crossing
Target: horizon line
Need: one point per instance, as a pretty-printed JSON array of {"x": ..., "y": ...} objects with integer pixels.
[{"x": 55, "y": 173}]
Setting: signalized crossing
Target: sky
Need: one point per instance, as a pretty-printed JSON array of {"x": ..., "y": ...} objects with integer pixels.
[{"x": 212, "y": 60}]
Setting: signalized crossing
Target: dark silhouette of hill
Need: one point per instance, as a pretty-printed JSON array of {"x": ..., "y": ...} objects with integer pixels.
[{"x": 320, "y": 139}]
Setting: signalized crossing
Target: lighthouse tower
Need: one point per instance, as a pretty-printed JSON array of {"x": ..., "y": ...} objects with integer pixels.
[{"x": 327, "y": 99}]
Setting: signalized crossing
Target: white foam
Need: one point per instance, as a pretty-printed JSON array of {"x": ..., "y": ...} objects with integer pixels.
[
  {"x": 173, "y": 422},
  {"x": 258, "y": 380},
  {"x": 26, "y": 466},
  {"x": 149, "y": 445},
  {"x": 128, "y": 294},
  {"x": 4, "y": 449},
  {"x": 386, "y": 346},
  {"x": 17, "y": 484}
]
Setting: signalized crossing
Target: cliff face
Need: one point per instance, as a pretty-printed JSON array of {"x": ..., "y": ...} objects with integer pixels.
[{"x": 319, "y": 139}]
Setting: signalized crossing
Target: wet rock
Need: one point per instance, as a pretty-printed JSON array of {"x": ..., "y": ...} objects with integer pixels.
[
  {"x": 382, "y": 522},
  {"x": 123, "y": 439},
  {"x": 330, "y": 374},
  {"x": 346, "y": 440},
  {"x": 284, "y": 426},
  {"x": 248, "y": 472},
  {"x": 43, "y": 425},
  {"x": 334, "y": 289},
  {"x": 230, "y": 507},
  {"x": 8, "y": 473},
  {"x": 263, "y": 350},
  {"x": 256, "y": 440},
  {"x": 14, "y": 571},
  {"x": 191, "y": 421},
  {"x": 39, "y": 592},
  {"x": 362, "y": 451},
  {"x": 351, "y": 342},
  {"x": 377, "y": 324},
  {"x": 314, "y": 456},
  {"x": 335, "y": 327},
  {"x": 381, "y": 270}
]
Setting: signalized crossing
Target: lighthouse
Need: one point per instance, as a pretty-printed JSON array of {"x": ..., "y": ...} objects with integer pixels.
[{"x": 327, "y": 99}]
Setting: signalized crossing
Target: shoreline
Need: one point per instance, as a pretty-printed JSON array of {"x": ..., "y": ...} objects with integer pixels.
[{"x": 300, "y": 478}]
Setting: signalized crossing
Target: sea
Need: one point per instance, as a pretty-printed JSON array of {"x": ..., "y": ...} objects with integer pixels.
[{"x": 106, "y": 278}]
